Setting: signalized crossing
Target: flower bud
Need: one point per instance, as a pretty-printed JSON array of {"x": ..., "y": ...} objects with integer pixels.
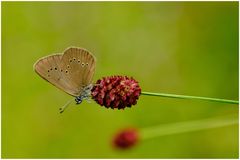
[{"x": 126, "y": 138}]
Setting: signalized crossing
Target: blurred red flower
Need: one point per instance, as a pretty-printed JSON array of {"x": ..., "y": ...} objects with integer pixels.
[{"x": 126, "y": 138}]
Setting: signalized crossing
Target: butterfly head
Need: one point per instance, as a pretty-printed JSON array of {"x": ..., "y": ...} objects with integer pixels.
[{"x": 78, "y": 100}]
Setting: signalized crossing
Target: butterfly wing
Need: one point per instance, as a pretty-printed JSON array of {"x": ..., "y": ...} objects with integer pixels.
[
  {"x": 80, "y": 64},
  {"x": 50, "y": 68}
]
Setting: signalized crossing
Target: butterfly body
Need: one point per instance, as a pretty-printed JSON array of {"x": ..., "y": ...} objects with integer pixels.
[
  {"x": 72, "y": 71},
  {"x": 85, "y": 94}
]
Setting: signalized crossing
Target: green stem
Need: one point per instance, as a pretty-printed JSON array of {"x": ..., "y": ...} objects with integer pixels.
[
  {"x": 190, "y": 97},
  {"x": 182, "y": 127}
]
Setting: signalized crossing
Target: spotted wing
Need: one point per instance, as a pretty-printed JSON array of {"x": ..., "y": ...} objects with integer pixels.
[
  {"x": 80, "y": 65},
  {"x": 51, "y": 69}
]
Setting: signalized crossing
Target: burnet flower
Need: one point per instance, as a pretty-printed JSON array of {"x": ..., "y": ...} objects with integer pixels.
[
  {"x": 116, "y": 92},
  {"x": 123, "y": 91},
  {"x": 126, "y": 138}
]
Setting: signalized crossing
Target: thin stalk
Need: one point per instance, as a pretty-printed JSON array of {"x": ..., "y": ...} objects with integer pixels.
[
  {"x": 182, "y": 127},
  {"x": 190, "y": 97}
]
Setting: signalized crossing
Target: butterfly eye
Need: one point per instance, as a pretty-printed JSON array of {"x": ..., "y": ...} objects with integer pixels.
[
  {"x": 82, "y": 64},
  {"x": 74, "y": 59},
  {"x": 61, "y": 70},
  {"x": 55, "y": 68},
  {"x": 87, "y": 64},
  {"x": 68, "y": 66},
  {"x": 47, "y": 70},
  {"x": 78, "y": 61},
  {"x": 51, "y": 69},
  {"x": 70, "y": 60},
  {"x": 66, "y": 71}
]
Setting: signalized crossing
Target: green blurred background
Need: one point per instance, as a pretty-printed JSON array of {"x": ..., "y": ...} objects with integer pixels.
[{"x": 171, "y": 47}]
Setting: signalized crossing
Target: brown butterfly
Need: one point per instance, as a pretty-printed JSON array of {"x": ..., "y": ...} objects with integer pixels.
[{"x": 71, "y": 72}]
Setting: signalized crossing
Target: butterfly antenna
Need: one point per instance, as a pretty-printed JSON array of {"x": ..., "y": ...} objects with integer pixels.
[{"x": 65, "y": 106}]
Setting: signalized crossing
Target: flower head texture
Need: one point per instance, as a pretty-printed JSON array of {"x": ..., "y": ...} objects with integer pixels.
[
  {"x": 116, "y": 92},
  {"x": 126, "y": 138}
]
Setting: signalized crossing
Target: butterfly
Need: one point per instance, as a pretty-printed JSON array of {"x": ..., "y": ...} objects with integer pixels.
[{"x": 71, "y": 71}]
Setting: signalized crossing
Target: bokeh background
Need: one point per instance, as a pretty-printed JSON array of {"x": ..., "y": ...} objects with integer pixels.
[{"x": 170, "y": 47}]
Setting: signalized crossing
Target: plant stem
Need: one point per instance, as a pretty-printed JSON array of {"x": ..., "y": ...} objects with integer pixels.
[
  {"x": 181, "y": 127},
  {"x": 190, "y": 97}
]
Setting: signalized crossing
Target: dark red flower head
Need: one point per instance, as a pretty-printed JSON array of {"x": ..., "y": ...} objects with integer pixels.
[
  {"x": 126, "y": 138},
  {"x": 116, "y": 92}
]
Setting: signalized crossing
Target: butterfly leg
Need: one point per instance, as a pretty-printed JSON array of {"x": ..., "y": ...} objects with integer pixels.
[{"x": 89, "y": 100}]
